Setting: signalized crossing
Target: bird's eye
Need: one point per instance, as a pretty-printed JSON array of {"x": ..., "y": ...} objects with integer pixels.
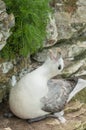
[{"x": 59, "y": 67}]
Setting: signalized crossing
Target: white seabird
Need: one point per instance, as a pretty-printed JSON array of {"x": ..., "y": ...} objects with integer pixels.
[{"x": 36, "y": 96}]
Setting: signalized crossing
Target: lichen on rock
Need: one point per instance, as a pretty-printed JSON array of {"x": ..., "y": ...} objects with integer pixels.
[{"x": 7, "y": 21}]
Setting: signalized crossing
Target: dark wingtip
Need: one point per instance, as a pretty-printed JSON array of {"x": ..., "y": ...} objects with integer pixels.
[{"x": 73, "y": 79}]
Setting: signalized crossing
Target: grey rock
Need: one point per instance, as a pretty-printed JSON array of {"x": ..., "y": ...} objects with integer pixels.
[
  {"x": 69, "y": 22},
  {"x": 63, "y": 25},
  {"x": 52, "y": 33},
  {"x": 6, "y": 23},
  {"x": 6, "y": 66},
  {"x": 81, "y": 2}
]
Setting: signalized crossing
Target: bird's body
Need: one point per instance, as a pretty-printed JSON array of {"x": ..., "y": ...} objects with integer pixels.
[{"x": 26, "y": 96}]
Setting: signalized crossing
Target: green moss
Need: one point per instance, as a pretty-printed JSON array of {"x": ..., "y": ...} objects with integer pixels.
[
  {"x": 81, "y": 96},
  {"x": 31, "y": 18}
]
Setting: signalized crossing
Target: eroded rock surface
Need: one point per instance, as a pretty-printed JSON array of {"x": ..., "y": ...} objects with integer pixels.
[{"x": 6, "y": 23}]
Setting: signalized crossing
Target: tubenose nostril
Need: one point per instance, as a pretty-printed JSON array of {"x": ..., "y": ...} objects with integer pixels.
[{"x": 59, "y": 67}]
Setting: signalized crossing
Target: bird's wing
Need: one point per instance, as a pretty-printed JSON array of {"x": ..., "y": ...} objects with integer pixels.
[{"x": 57, "y": 95}]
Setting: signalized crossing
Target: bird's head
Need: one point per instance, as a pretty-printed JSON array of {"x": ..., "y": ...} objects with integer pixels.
[{"x": 55, "y": 61}]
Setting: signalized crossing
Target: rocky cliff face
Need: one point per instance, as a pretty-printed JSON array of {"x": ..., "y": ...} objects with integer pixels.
[
  {"x": 70, "y": 22},
  {"x": 67, "y": 30},
  {"x": 7, "y": 21}
]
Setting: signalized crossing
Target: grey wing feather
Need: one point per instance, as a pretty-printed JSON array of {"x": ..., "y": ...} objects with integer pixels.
[{"x": 57, "y": 95}]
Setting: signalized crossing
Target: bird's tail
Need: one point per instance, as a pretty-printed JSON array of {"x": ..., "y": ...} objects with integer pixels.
[{"x": 81, "y": 84}]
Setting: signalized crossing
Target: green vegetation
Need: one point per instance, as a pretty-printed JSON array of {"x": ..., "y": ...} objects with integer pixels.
[{"x": 31, "y": 18}]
